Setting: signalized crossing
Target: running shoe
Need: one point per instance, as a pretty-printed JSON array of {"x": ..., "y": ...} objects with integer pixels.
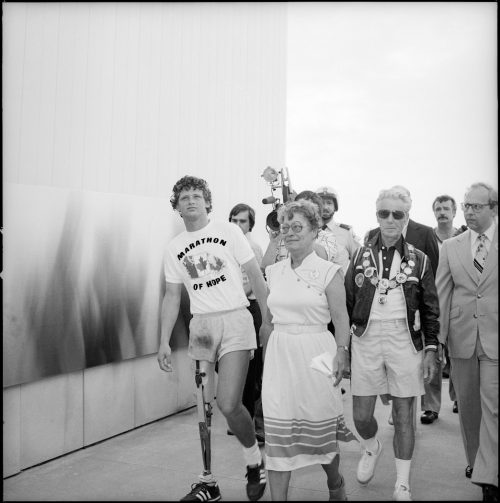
[
  {"x": 256, "y": 481},
  {"x": 200, "y": 491}
]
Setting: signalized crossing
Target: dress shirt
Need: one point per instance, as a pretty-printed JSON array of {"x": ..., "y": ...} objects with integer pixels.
[{"x": 474, "y": 239}]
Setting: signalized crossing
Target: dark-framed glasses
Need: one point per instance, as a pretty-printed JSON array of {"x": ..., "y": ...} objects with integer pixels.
[
  {"x": 296, "y": 228},
  {"x": 396, "y": 214},
  {"x": 475, "y": 207}
]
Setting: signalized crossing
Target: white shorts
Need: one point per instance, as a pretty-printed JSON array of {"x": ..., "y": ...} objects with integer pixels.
[
  {"x": 213, "y": 335},
  {"x": 385, "y": 361}
]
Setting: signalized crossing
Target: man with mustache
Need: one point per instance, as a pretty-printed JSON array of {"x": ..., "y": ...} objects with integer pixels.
[{"x": 445, "y": 210}]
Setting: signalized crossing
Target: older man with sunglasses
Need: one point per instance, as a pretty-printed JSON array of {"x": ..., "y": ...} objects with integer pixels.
[{"x": 391, "y": 301}]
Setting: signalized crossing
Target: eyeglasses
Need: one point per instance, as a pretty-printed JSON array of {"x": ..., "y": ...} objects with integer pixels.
[
  {"x": 296, "y": 228},
  {"x": 397, "y": 214},
  {"x": 476, "y": 207}
]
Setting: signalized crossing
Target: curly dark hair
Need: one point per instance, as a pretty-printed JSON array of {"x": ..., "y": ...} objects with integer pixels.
[
  {"x": 191, "y": 182},
  {"x": 309, "y": 195}
]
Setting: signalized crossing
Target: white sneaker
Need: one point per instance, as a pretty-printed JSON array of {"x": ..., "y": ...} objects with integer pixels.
[
  {"x": 366, "y": 465},
  {"x": 401, "y": 493}
]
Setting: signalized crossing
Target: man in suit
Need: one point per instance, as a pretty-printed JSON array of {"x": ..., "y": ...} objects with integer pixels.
[
  {"x": 467, "y": 285},
  {"x": 422, "y": 237}
]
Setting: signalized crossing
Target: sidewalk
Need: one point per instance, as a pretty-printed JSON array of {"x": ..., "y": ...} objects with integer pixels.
[{"x": 160, "y": 461}]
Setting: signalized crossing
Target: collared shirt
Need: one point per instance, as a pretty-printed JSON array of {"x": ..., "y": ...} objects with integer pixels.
[
  {"x": 389, "y": 264},
  {"x": 345, "y": 239},
  {"x": 474, "y": 238},
  {"x": 387, "y": 255}
]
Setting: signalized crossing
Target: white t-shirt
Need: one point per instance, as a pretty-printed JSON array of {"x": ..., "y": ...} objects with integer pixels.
[{"x": 208, "y": 263}]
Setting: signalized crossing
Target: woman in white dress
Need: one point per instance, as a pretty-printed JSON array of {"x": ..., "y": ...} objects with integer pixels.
[{"x": 303, "y": 412}]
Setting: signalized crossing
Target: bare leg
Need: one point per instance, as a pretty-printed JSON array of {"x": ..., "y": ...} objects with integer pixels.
[
  {"x": 404, "y": 431},
  {"x": 334, "y": 479},
  {"x": 278, "y": 484},
  {"x": 363, "y": 408},
  {"x": 232, "y": 372}
]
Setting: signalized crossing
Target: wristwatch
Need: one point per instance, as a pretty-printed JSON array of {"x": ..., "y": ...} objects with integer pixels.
[{"x": 345, "y": 348}]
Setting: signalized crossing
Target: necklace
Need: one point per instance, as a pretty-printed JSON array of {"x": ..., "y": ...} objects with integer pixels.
[{"x": 383, "y": 285}]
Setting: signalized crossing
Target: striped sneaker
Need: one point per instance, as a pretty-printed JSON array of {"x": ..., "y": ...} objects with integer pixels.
[
  {"x": 203, "y": 492},
  {"x": 256, "y": 481}
]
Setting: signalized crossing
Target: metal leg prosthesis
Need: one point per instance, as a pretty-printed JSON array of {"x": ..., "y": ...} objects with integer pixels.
[
  {"x": 204, "y": 378},
  {"x": 207, "y": 490}
]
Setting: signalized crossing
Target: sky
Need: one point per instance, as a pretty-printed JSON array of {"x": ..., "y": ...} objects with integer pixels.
[{"x": 380, "y": 94}]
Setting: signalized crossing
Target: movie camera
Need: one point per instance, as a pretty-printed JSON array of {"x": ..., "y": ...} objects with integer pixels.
[{"x": 276, "y": 180}]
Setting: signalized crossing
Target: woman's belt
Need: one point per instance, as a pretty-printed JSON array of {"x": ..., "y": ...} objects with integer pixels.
[{"x": 300, "y": 329}]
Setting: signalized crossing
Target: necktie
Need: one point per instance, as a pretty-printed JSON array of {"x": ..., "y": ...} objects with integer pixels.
[{"x": 481, "y": 254}]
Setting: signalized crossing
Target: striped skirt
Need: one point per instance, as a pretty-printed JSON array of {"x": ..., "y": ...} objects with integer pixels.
[{"x": 303, "y": 412}]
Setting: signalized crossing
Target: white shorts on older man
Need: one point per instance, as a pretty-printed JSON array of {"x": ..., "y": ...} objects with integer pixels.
[{"x": 384, "y": 360}]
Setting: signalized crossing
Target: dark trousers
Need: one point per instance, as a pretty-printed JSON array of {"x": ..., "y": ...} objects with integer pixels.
[{"x": 253, "y": 383}]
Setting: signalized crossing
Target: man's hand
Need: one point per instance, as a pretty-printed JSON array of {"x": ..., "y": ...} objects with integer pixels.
[
  {"x": 164, "y": 358},
  {"x": 441, "y": 356},
  {"x": 431, "y": 365},
  {"x": 274, "y": 235},
  {"x": 341, "y": 365}
]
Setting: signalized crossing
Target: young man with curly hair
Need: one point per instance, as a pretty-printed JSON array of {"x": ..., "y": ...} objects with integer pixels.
[{"x": 206, "y": 259}]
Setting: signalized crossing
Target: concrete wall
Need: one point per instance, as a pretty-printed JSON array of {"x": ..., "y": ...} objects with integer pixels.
[{"x": 125, "y": 99}]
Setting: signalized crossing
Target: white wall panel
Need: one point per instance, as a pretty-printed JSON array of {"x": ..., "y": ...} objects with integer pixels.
[
  {"x": 160, "y": 394},
  {"x": 127, "y": 98},
  {"x": 108, "y": 401},
  {"x": 51, "y": 418},
  {"x": 70, "y": 98},
  {"x": 11, "y": 430},
  {"x": 99, "y": 97},
  {"x": 13, "y": 58}
]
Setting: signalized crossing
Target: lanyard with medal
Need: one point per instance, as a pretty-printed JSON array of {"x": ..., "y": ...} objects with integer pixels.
[{"x": 383, "y": 285}]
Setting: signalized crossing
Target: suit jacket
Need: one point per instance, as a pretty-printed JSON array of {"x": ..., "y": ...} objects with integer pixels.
[
  {"x": 468, "y": 302},
  {"x": 420, "y": 236}
]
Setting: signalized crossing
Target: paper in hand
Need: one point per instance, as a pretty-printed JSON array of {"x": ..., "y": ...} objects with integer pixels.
[{"x": 323, "y": 363}]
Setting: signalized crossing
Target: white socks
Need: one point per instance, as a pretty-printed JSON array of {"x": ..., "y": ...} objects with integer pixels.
[
  {"x": 371, "y": 444},
  {"x": 252, "y": 455},
  {"x": 403, "y": 472},
  {"x": 208, "y": 479}
]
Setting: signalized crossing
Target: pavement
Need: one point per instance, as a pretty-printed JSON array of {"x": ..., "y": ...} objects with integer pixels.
[{"x": 160, "y": 461}]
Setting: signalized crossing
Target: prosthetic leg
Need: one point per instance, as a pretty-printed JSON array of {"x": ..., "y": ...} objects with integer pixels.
[{"x": 204, "y": 378}]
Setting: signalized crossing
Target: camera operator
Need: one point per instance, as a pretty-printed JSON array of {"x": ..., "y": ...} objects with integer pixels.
[{"x": 276, "y": 249}]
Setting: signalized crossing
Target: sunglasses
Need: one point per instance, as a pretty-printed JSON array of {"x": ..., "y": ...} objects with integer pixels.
[{"x": 397, "y": 214}]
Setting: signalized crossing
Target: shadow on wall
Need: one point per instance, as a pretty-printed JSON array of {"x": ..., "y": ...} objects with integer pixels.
[{"x": 86, "y": 289}]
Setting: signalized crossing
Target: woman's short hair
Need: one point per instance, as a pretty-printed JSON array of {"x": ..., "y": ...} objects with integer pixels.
[
  {"x": 244, "y": 207},
  {"x": 303, "y": 207},
  {"x": 396, "y": 192},
  {"x": 191, "y": 182}
]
